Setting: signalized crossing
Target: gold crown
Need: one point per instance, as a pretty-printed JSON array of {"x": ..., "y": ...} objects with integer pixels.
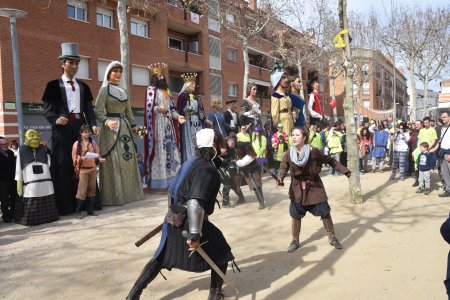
[
  {"x": 158, "y": 68},
  {"x": 189, "y": 77}
]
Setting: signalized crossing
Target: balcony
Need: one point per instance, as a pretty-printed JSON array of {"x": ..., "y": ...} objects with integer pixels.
[{"x": 183, "y": 21}]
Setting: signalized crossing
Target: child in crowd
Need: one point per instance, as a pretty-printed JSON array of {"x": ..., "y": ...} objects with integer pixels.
[
  {"x": 279, "y": 147},
  {"x": 250, "y": 168},
  {"x": 425, "y": 162},
  {"x": 85, "y": 152},
  {"x": 334, "y": 144}
]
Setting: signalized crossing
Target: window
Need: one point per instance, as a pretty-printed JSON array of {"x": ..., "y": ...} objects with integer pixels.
[
  {"x": 232, "y": 89},
  {"x": 215, "y": 86},
  {"x": 366, "y": 103},
  {"x": 101, "y": 69},
  {"x": 176, "y": 83},
  {"x": 104, "y": 18},
  {"x": 83, "y": 68},
  {"x": 76, "y": 9},
  {"x": 366, "y": 88},
  {"x": 214, "y": 53},
  {"x": 175, "y": 43},
  {"x": 232, "y": 54},
  {"x": 139, "y": 27},
  {"x": 140, "y": 76},
  {"x": 230, "y": 18},
  {"x": 193, "y": 46}
]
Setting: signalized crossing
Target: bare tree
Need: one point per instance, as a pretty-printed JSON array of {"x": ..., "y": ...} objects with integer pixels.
[
  {"x": 436, "y": 54},
  {"x": 244, "y": 22},
  {"x": 409, "y": 32},
  {"x": 305, "y": 42},
  {"x": 352, "y": 149}
]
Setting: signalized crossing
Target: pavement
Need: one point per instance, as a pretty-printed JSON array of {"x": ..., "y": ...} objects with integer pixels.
[{"x": 392, "y": 249}]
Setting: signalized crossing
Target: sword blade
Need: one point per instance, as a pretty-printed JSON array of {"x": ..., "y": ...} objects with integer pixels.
[{"x": 213, "y": 265}]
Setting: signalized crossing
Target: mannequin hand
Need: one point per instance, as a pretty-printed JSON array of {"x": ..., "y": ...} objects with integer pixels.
[
  {"x": 101, "y": 159},
  {"x": 192, "y": 245},
  {"x": 112, "y": 124},
  {"x": 181, "y": 119},
  {"x": 95, "y": 130},
  {"x": 20, "y": 188},
  {"x": 348, "y": 174},
  {"x": 162, "y": 109},
  {"x": 61, "y": 121}
]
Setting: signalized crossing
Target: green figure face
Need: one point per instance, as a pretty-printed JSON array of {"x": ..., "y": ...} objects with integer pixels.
[{"x": 32, "y": 138}]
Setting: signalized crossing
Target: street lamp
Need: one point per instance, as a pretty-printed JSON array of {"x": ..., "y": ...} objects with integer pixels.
[{"x": 14, "y": 14}]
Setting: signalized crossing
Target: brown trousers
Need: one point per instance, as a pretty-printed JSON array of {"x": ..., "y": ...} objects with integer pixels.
[{"x": 86, "y": 185}]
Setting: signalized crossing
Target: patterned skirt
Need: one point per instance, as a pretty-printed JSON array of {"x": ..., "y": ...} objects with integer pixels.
[{"x": 39, "y": 210}]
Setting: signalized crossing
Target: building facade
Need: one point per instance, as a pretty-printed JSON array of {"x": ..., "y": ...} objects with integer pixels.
[
  {"x": 186, "y": 41},
  {"x": 373, "y": 85}
]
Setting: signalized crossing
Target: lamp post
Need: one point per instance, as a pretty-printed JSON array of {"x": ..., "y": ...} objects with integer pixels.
[{"x": 14, "y": 14}]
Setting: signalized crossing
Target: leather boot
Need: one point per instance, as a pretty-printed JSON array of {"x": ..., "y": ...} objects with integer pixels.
[
  {"x": 215, "y": 291},
  {"x": 78, "y": 209},
  {"x": 328, "y": 224},
  {"x": 296, "y": 225},
  {"x": 226, "y": 197},
  {"x": 90, "y": 207},
  {"x": 260, "y": 196},
  {"x": 241, "y": 198},
  {"x": 149, "y": 273}
]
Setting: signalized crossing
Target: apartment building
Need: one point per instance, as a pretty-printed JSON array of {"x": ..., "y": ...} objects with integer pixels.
[{"x": 373, "y": 86}]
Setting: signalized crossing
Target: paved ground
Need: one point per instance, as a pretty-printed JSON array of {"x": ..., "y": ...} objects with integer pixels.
[{"x": 392, "y": 250}]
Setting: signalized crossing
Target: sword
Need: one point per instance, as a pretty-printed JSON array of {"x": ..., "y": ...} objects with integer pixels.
[
  {"x": 212, "y": 264},
  {"x": 272, "y": 174},
  {"x": 149, "y": 235},
  {"x": 258, "y": 194}
]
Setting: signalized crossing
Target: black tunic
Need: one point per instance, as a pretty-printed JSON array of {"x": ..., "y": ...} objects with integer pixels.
[
  {"x": 201, "y": 183},
  {"x": 55, "y": 106}
]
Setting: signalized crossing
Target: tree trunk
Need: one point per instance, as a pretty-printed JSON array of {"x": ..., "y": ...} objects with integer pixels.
[
  {"x": 413, "y": 90},
  {"x": 300, "y": 73},
  {"x": 333, "y": 96},
  {"x": 425, "y": 95},
  {"x": 123, "y": 32},
  {"x": 352, "y": 148},
  {"x": 246, "y": 67}
]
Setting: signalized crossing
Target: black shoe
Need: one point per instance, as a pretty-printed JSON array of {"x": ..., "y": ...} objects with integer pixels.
[
  {"x": 227, "y": 205},
  {"x": 293, "y": 246},
  {"x": 427, "y": 192},
  {"x": 78, "y": 214},
  {"x": 415, "y": 184},
  {"x": 419, "y": 190},
  {"x": 261, "y": 206},
  {"x": 444, "y": 194},
  {"x": 334, "y": 242},
  {"x": 90, "y": 209}
]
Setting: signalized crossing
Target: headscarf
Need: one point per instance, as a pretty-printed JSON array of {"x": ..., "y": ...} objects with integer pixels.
[{"x": 112, "y": 65}]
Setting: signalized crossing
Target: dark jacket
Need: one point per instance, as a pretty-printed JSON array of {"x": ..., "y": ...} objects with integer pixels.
[
  {"x": 314, "y": 192},
  {"x": 7, "y": 166},
  {"x": 55, "y": 102},
  {"x": 426, "y": 161}
]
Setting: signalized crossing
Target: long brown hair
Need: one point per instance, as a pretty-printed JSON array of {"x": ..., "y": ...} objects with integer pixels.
[
  {"x": 249, "y": 87},
  {"x": 245, "y": 148}
]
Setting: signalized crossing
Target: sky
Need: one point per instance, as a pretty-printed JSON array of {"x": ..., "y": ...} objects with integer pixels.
[{"x": 383, "y": 7}]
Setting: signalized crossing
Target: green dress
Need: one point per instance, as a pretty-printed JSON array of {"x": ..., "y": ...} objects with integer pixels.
[{"x": 120, "y": 181}]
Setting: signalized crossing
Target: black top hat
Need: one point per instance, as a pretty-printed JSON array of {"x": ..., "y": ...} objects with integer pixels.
[
  {"x": 231, "y": 101},
  {"x": 69, "y": 50}
]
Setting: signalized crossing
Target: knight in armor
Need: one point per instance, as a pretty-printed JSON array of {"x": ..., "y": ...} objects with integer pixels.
[
  {"x": 250, "y": 168},
  {"x": 186, "y": 225},
  {"x": 307, "y": 192}
]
